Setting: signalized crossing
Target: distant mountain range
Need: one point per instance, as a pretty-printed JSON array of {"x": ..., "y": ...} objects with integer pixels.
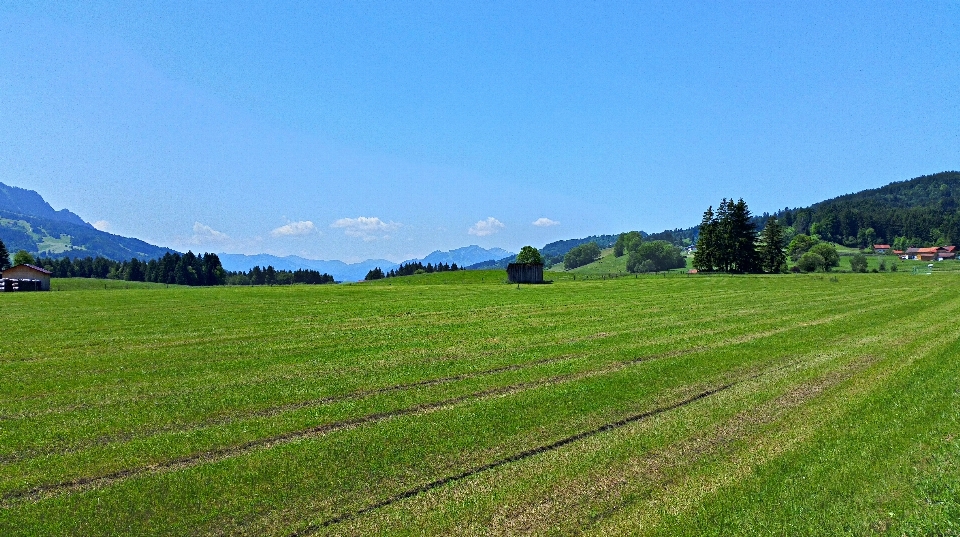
[
  {"x": 27, "y": 222},
  {"x": 341, "y": 271}
]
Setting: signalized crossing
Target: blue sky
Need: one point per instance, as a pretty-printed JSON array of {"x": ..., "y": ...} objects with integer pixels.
[{"x": 353, "y": 130}]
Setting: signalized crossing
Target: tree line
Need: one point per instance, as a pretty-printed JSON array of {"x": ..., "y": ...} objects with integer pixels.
[
  {"x": 271, "y": 276},
  {"x": 187, "y": 269},
  {"x": 173, "y": 268},
  {"x": 409, "y": 269}
]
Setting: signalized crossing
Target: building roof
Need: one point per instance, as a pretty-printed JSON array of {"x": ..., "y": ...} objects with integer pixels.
[
  {"x": 881, "y": 246},
  {"x": 949, "y": 248},
  {"x": 31, "y": 267},
  {"x": 898, "y": 251},
  {"x": 931, "y": 250}
]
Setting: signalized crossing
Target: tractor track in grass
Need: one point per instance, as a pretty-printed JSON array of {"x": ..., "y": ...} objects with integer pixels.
[
  {"x": 790, "y": 399},
  {"x": 517, "y": 457},
  {"x": 361, "y": 394},
  {"x": 279, "y": 409},
  {"x": 652, "y": 467},
  {"x": 215, "y": 455}
]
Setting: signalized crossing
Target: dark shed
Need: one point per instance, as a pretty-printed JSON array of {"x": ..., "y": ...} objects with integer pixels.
[{"x": 525, "y": 272}]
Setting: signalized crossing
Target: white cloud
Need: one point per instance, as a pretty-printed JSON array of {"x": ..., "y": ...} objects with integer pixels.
[
  {"x": 102, "y": 225},
  {"x": 545, "y": 222},
  {"x": 368, "y": 228},
  {"x": 304, "y": 227},
  {"x": 486, "y": 227},
  {"x": 203, "y": 234}
]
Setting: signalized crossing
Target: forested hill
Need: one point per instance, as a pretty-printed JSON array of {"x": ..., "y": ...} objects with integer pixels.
[{"x": 919, "y": 212}]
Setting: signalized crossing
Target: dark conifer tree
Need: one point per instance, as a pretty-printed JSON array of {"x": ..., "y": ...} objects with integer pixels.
[
  {"x": 742, "y": 239},
  {"x": 723, "y": 257},
  {"x": 704, "y": 259},
  {"x": 256, "y": 276},
  {"x": 773, "y": 260},
  {"x": 4, "y": 257}
]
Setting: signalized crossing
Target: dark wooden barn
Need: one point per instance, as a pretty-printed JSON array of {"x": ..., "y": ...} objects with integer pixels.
[{"x": 525, "y": 272}]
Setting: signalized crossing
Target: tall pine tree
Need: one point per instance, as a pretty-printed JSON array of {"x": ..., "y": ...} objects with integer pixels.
[
  {"x": 704, "y": 259},
  {"x": 4, "y": 257},
  {"x": 743, "y": 239},
  {"x": 773, "y": 260}
]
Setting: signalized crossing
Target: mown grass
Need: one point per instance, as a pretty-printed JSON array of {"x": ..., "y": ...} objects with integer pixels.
[
  {"x": 454, "y": 403},
  {"x": 91, "y": 284}
]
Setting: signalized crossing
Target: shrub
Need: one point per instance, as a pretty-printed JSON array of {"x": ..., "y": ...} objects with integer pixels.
[
  {"x": 829, "y": 254},
  {"x": 858, "y": 263},
  {"x": 810, "y": 262}
]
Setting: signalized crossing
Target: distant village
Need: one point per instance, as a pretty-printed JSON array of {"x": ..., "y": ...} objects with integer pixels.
[{"x": 933, "y": 253}]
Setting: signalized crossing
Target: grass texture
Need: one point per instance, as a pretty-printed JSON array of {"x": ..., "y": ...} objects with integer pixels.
[{"x": 453, "y": 403}]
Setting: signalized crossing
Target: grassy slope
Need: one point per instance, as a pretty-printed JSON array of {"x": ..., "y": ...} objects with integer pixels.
[{"x": 274, "y": 410}]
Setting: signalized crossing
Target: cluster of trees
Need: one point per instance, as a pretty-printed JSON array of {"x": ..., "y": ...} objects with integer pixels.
[
  {"x": 728, "y": 242},
  {"x": 409, "y": 269},
  {"x": 186, "y": 269},
  {"x": 581, "y": 255},
  {"x": 648, "y": 256},
  {"x": 554, "y": 252},
  {"x": 811, "y": 254},
  {"x": 655, "y": 256},
  {"x": 271, "y": 276}
]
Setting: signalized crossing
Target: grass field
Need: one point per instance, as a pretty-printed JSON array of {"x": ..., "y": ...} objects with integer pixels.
[{"x": 453, "y": 403}]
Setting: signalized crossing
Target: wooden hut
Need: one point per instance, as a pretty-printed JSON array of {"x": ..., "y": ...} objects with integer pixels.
[
  {"x": 29, "y": 273},
  {"x": 525, "y": 272}
]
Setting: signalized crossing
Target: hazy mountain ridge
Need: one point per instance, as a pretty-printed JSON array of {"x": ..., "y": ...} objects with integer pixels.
[
  {"x": 342, "y": 271},
  {"x": 466, "y": 255}
]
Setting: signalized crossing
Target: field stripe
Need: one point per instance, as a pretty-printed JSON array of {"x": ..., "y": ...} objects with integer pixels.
[
  {"x": 179, "y": 463},
  {"x": 86, "y": 483},
  {"x": 526, "y": 454}
]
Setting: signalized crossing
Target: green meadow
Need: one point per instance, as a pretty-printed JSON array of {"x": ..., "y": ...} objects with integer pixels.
[{"x": 454, "y": 403}]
